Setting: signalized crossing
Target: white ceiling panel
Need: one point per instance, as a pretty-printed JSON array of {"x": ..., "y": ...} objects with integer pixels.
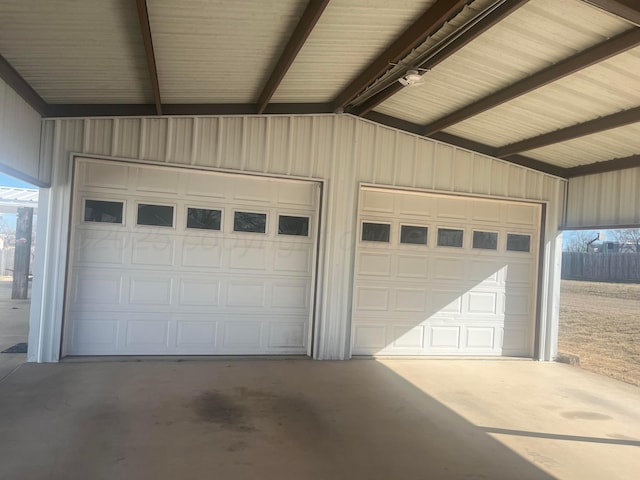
[
  {"x": 87, "y": 51},
  {"x": 597, "y": 91},
  {"x": 219, "y": 51},
  {"x": 349, "y": 35},
  {"x": 537, "y": 35},
  {"x": 616, "y": 143}
]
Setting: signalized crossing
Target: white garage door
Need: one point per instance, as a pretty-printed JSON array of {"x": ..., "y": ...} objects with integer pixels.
[
  {"x": 444, "y": 275},
  {"x": 175, "y": 261}
]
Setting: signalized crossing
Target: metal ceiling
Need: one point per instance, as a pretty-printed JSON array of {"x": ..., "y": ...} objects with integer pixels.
[{"x": 551, "y": 84}]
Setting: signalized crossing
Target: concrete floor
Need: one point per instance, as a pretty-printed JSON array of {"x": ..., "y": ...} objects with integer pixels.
[
  {"x": 14, "y": 328},
  {"x": 297, "y": 418}
]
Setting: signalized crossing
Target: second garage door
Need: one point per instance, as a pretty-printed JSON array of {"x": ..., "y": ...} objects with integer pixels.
[
  {"x": 174, "y": 261},
  {"x": 444, "y": 275}
]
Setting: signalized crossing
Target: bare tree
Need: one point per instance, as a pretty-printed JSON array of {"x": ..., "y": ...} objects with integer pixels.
[
  {"x": 580, "y": 240},
  {"x": 628, "y": 238}
]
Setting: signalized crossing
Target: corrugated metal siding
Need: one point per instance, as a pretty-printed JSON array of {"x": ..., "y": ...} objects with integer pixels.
[
  {"x": 219, "y": 52},
  {"x": 348, "y": 36},
  {"x": 604, "y": 200},
  {"x": 537, "y": 35},
  {"x": 603, "y": 89},
  {"x": 343, "y": 150},
  {"x": 615, "y": 143},
  {"x": 86, "y": 51},
  {"x": 20, "y": 136}
]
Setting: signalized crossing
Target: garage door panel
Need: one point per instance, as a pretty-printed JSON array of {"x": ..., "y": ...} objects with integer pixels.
[
  {"x": 408, "y": 337},
  {"x": 185, "y": 290},
  {"x": 445, "y": 337},
  {"x": 372, "y": 298},
  {"x": 412, "y": 266},
  {"x": 100, "y": 247},
  {"x": 370, "y": 338},
  {"x": 287, "y": 335},
  {"x": 377, "y": 202},
  {"x": 410, "y": 299},
  {"x": 241, "y": 335},
  {"x": 153, "y": 250},
  {"x": 147, "y": 334},
  {"x": 103, "y": 176},
  {"x": 154, "y": 291},
  {"x": 157, "y": 181},
  {"x": 198, "y": 335},
  {"x": 291, "y": 295},
  {"x": 249, "y": 257},
  {"x": 480, "y": 337},
  {"x": 446, "y": 301},
  {"x": 449, "y": 268},
  {"x": 202, "y": 253},
  {"x": 370, "y": 263},
  {"x": 245, "y": 294},
  {"x": 293, "y": 259},
  {"x": 95, "y": 334},
  {"x": 461, "y": 298},
  {"x": 482, "y": 302},
  {"x": 199, "y": 291},
  {"x": 97, "y": 288}
]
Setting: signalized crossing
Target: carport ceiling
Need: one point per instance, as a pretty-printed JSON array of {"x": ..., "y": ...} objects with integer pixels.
[{"x": 550, "y": 84}]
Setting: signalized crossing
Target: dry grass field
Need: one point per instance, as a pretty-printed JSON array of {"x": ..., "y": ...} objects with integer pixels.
[{"x": 600, "y": 322}]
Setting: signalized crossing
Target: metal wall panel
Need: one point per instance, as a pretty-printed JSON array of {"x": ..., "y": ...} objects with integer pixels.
[
  {"x": 340, "y": 149},
  {"x": 604, "y": 200},
  {"x": 20, "y": 137}
]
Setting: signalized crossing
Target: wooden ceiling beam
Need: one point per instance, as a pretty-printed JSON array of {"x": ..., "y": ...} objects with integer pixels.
[
  {"x": 596, "y": 54},
  {"x": 626, "y": 9},
  {"x": 21, "y": 87},
  {"x": 495, "y": 16},
  {"x": 305, "y": 26},
  {"x": 619, "y": 119},
  {"x": 428, "y": 23},
  {"x": 145, "y": 29}
]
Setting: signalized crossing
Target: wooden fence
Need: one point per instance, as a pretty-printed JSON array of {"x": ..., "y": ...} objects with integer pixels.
[{"x": 601, "y": 267}]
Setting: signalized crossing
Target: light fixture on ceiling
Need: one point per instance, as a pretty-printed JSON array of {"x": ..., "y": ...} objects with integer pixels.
[{"x": 411, "y": 79}]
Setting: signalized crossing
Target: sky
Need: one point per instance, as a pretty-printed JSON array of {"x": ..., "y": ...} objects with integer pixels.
[{"x": 8, "y": 181}]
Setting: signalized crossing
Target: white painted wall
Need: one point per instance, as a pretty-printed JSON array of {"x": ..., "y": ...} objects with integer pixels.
[
  {"x": 340, "y": 149},
  {"x": 604, "y": 200},
  {"x": 20, "y": 138}
]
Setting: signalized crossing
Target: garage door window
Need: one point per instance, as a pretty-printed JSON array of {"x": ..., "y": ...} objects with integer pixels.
[
  {"x": 203, "y": 218},
  {"x": 449, "y": 237},
  {"x": 250, "y": 222},
  {"x": 155, "y": 215},
  {"x": 485, "y": 240},
  {"x": 376, "y": 232},
  {"x": 518, "y": 243},
  {"x": 103, "y": 211},
  {"x": 413, "y": 234},
  {"x": 290, "y": 225}
]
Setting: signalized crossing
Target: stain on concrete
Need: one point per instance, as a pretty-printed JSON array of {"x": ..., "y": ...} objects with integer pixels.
[
  {"x": 221, "y": 409},
  {"x": 579, "y": 415}
]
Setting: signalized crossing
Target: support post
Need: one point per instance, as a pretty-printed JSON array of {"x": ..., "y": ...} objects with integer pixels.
[{"x": 22, "y": 258}]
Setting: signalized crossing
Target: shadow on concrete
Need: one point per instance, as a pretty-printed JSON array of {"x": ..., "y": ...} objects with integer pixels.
[
  {"x": 555, "y": 436},
  {"x": 269, "y": 419}
]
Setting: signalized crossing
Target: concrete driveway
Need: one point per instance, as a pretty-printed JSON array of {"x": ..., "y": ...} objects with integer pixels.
[{"x": 297, "y": 418}]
